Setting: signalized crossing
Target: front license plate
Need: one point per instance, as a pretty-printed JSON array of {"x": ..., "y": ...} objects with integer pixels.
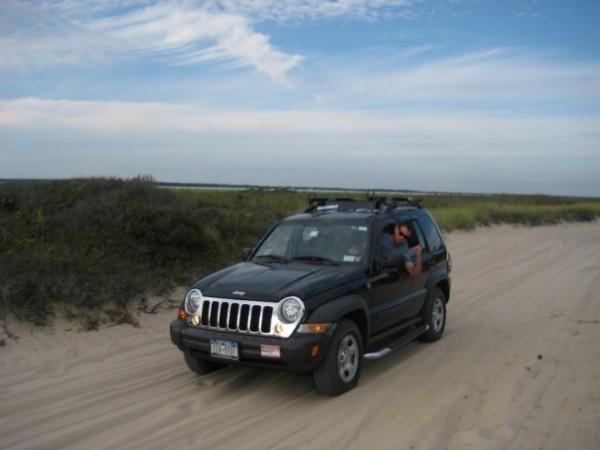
[{"x": 224, "y": 349}]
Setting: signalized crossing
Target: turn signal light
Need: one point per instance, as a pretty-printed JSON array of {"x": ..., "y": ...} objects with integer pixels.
[
  {"x": 182, "y": 314},
  {"x": 315, "y": 328}
]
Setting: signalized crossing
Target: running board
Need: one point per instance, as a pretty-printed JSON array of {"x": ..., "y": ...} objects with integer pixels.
[{"x": 403, "y": 340}]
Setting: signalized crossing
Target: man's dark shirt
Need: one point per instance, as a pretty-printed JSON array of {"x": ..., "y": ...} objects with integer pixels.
[{"x": 389, "y": 248}]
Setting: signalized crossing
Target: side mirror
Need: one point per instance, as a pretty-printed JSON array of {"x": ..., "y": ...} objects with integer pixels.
[{"x": 246, "y": 252}]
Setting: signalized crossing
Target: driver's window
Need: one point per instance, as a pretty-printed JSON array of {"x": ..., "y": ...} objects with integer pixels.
[{"x": 417, "y": 237}]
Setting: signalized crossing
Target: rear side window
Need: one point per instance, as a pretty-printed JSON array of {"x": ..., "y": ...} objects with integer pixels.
[{"x": 432, "y": 236}]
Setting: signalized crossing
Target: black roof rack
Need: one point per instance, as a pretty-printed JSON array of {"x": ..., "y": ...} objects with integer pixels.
[
  {"x": 371, "y": 204},
  {"x": 338, "y": 204},
  {"x": 390, "y": 203}
]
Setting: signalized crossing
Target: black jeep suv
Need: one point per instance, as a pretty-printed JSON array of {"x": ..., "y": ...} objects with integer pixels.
[{"x": 315, "y": 295}]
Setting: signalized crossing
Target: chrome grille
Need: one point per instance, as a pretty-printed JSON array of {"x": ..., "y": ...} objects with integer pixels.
[{"x": 237, "y": 315}]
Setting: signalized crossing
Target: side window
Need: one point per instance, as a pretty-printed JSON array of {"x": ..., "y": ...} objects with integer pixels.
[
  {"x": 417, "y": 238},
  {"x": 432, "y": 236},
  {"x": 417, "y": 235}
]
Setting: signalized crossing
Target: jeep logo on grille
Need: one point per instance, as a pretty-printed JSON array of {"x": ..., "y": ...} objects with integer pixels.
[{"x": 239, "y": 293}]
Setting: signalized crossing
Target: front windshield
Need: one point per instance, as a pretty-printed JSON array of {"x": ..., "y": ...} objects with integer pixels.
[{"x": 316, "y": 242}]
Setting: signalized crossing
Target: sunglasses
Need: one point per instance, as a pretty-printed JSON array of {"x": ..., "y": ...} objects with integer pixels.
[{"x": 401, "y": 233}]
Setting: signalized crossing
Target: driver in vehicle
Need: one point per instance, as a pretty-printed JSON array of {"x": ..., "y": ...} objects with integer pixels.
[{"x": 396, "y": 246}]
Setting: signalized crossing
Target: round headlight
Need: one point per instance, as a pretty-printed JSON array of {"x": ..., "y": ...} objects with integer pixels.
[
  {"x": 193, "y": 301},
  {"x": 290, "y": 309}
]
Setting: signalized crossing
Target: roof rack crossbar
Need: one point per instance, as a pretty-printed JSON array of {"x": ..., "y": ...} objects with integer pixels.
[
  {"x": 371, "y": 204},
  {"x": 341, "y": 204},
  {"x": 390, "y": 203}
]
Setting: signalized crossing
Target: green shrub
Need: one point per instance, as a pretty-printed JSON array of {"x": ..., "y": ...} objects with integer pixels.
[{"x": 87, "y": 243}]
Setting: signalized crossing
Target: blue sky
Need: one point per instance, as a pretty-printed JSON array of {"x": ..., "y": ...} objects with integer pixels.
[{"x": 456, "y": 95}]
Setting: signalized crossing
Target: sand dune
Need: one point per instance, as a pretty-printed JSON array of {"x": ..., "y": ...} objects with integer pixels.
[{"x": 519, "y": 367}]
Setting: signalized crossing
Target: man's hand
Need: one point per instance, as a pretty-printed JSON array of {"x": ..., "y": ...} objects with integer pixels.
[{"x": 414, "y": 270}]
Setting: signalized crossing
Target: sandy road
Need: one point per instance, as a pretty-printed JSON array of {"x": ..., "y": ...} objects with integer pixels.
[{"x": 519, "y": 367}]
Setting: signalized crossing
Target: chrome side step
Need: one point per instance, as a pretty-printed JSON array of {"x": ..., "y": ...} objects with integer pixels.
[
  {"x": 403, "y": 340},
  {"x": 379, "y": 354}
]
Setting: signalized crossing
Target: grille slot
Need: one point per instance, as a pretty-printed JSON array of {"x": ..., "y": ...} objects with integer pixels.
[
  {"x": 237, "y": 315},
  {"x": 214, "y": 313},
  {"x": 244, "y": 316},
  {"x": 233, "y": 317},
  {"x": 223, "y": 315},
  {"x": 254, "y": 318},
  {"x": 265, "y": 326},
  {"x": 205, "y": 310}
]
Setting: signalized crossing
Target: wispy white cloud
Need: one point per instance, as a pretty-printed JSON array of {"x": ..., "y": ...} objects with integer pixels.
[
  {"x": 491, "y": 75},
  {"x": 71, "y": 49},
  {"x": 37, "y": 34},
  {"x": 181, "y": 32},
  {"x": 293, "y": 10},
  {"x": 191, "y": 34}
]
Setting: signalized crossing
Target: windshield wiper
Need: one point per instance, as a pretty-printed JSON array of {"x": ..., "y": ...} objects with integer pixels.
[
  {"x": 317, "y": 259},
  {"x": 272, "y": 257}
]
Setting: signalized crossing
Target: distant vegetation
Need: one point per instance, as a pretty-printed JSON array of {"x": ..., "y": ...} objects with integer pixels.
[
  {"x": 468, "y": 212},
  {"x": 98, "y": 244}
]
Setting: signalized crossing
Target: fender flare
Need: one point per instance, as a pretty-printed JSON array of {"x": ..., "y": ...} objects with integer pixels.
[
  {"x": 334, "y": 310},
  {"x": 435, "y": 277}
]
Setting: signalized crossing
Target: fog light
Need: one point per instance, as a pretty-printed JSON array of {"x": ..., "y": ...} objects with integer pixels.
[{"x": 195, "y": 319}]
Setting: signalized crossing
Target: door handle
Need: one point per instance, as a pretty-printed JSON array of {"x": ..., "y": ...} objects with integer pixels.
[{"x": 381, "y": 276}]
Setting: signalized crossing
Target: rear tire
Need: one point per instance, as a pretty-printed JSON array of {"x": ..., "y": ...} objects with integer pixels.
[
  {"x": 199, "y": 365},
  {"x": 435, "y": 316},
  {"x": 340, "y": 370}
]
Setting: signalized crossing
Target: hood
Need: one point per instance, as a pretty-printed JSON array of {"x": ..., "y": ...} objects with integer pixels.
[{"x": 273, "y": 282}]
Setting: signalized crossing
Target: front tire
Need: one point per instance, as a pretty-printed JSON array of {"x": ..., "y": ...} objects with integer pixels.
[
  {"x": 435, "y": 316},
  {"x": 340, "y": 370},
  {"x": 199, "y": 365}
]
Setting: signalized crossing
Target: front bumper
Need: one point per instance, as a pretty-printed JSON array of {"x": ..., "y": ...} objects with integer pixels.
[{"x": 296, "y": 351}]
